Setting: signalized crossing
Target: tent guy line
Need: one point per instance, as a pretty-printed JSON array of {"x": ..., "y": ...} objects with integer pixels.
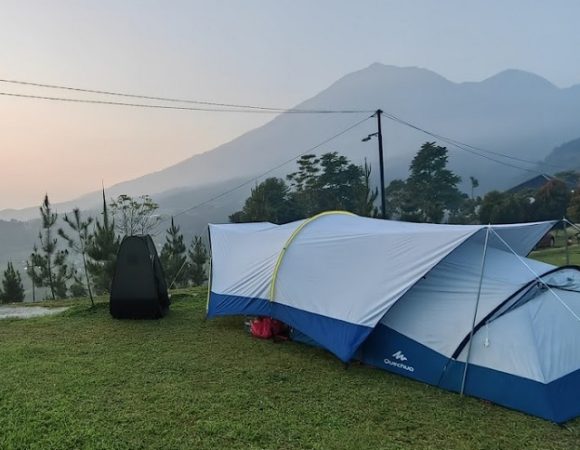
[{"x": 538, "y": 277}]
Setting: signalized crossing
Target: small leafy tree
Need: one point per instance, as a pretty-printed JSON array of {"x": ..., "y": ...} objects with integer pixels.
[
  {"x": 135, "y": 216},
  {"x": 432, "y": 186},
  {"x": 505, "y": 207},
  {"x": 79, "y": 243},
  {"x": 570, "y": 177},
  {"x": 12, "y": 289},
  {"x": 400, "y": 205},
  {"x": 269, "y": 201},
  {"x": 50, "y": 264},
  {"x": 467, "y": 213},
  {"x": 338, "y": 182},
  {"x": 551, "y": 201},
  {"x": 327, "y": 183},
  {"x": 102, "y": 251},
  {"x": 173, "y": 257},
  {"x": 198, "y": 258},
  {"x": 573, "y": 211}
]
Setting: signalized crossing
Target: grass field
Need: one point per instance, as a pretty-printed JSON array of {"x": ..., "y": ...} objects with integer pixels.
[
  {"x": 557, "y": 255},
  {"x": 84, "y": 380}
]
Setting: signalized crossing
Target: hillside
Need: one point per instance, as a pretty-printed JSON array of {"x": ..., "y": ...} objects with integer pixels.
[
  {"x": 514, "y": 112},
  {"x": 566, "y": 156},
  {"x": 16, "y": 241}
]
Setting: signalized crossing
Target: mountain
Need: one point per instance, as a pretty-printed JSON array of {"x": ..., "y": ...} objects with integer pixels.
[
  {"x": 16, "y": 241},
  {"x": 565, "y": 157},
  {"x": 513, "y": 112}
]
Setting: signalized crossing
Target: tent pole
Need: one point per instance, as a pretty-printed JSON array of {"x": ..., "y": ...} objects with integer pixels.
[
  {"x": 538, "y": 277},
  {"x": 572, "y": 224},
  {"x": 476, "y": 308},
  {"x": 566, "y": 240}
]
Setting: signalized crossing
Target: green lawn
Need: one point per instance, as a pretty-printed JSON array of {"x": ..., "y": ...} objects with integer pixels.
[
  {"x": 557, "y": 255},
  {"x": 84, "y": 380}
]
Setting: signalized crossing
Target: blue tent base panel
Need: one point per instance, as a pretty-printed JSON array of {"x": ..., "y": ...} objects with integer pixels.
[
  {"x": 298, "y": 336},
  {"x": 339, "y": 337},
  {"x": 558, "y": 401}
]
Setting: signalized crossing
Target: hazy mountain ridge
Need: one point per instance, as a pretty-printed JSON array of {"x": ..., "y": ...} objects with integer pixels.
[
  {"x": 514, "y": 112},
  {"x": 566, "y": 156}
]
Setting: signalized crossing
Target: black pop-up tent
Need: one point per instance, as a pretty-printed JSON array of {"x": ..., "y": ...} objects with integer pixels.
[{"x": 139, "y": 290}]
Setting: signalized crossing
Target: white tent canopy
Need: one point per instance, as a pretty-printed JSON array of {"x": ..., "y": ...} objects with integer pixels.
[
  {"x": 406, "y": 297},
  {"x": 325, "y": 265}
]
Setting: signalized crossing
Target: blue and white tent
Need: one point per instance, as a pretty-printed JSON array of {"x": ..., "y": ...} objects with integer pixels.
[{"x": 456, "y": 306}]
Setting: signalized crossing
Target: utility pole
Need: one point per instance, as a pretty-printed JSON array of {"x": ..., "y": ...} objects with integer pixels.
[
  {"x": 379, "y": 135},
  {"x": 381, "y": 163}
]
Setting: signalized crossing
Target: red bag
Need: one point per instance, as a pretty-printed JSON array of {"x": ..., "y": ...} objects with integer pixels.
[
  {"x": 261, "y": 327},
  {"x": 267, "y": 328}
]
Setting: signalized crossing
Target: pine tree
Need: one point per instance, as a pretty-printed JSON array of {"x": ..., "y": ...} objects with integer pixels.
[
  {"x": 12, "y": 289},
  {"x": 173, "y": 257},
  {"x": 198, "y": 257},
  {"x": 102, "y": 252},
  {"x": 79, "y": 244},
  {"x": 78, "y": 289},
  {"x": 305, "y": 185},
  {"x": 50, "y": 264}
]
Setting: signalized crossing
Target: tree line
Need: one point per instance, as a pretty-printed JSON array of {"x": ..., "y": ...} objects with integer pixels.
[
  {"x": 322, "y": 183},
  {"x": 429, "y": 194},
  {"x": 95, "y": 243}
]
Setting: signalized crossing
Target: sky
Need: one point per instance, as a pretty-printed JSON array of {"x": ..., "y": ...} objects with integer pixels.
[{"x": 260, "y": 52}]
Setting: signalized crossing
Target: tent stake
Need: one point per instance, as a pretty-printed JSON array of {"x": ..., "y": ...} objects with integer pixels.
[{"x": 475, "y": 310}]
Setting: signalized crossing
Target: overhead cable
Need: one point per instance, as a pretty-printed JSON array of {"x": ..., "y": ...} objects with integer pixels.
[
  {"x": 220, "y": 106},
  {"x": 473, "y": 149},
  {"x": 245, "y": 183}
]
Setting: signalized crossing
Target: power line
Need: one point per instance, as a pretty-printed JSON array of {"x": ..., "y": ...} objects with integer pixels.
[
  {"x": 137, "y": 105},
  {"x": 229, "y": 191},
  {"x": 469, "y": 148},
  {"x": 243, "y": 108},
  {"x": 253, "y": 108},
  {"x": 180, "y": 108}
]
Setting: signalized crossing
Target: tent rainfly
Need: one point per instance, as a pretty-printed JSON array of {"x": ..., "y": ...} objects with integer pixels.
[
  {"x": 455, "y": 306},
  {"x": 138, "y": 290}
]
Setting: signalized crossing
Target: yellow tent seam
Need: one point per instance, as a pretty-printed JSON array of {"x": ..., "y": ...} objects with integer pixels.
[{"x": 293, "y": 236}]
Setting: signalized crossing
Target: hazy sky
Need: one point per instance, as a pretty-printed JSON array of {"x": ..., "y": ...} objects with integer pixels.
[{"x": 262, "y": 52}]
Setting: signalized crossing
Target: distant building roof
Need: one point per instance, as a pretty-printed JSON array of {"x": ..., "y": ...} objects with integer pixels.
[
  {"x": 536, "y": 183},
  {"x": 533, "y": 183}
]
